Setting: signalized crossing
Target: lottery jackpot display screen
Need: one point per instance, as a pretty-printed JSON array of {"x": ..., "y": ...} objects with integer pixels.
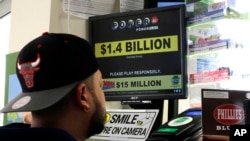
[{"x": 141, "y": 54}]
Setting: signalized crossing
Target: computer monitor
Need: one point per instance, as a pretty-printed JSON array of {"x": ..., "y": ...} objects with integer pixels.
[
  {"x": 161, "y": 3},
  {"x": 141, "y": 54}
]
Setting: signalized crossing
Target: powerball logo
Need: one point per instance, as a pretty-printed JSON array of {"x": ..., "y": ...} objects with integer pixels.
[
  {"x": 108, "y": 85},
  {"x": 139, "y": 23}
]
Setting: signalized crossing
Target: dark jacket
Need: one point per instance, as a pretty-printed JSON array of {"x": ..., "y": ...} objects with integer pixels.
[{"x": 23, "y": 132}]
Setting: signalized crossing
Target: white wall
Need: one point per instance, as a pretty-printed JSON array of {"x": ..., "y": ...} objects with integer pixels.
[{"x": 29, "y": 18}]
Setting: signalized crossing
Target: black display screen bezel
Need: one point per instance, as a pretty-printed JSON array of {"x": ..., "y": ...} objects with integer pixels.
[{"x": 146, "y": 95}]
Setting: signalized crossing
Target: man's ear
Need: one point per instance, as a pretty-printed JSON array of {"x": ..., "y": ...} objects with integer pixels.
[{"x": 82, "y": 97}]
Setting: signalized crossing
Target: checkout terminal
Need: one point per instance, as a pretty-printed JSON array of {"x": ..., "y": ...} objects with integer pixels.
[{"x": 184, "y": 127}]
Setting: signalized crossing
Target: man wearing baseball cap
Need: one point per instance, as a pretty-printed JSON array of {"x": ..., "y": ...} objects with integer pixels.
[{"x": 61, "y": 86}]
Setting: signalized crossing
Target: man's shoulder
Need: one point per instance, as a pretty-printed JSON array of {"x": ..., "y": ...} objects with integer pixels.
[{"x": 22, "y": 131}]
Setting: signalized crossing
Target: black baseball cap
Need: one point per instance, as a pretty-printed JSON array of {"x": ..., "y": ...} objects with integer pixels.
[{"x": 48, "y": 68}]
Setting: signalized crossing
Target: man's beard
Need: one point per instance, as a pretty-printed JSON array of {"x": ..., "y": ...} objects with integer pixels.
[{"x": 97, "y": 121}]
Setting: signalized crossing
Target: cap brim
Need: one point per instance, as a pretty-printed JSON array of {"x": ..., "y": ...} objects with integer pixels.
[{"x": 34, "y": 101}]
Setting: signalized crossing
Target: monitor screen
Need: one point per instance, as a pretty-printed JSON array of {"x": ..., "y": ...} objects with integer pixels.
[
  {"x": 141, "y": 54},
  {"x": 161, "y": 3}
]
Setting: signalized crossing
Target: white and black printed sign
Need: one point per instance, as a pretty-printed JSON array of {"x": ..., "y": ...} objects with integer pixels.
[{"x": 128, "y": 124}]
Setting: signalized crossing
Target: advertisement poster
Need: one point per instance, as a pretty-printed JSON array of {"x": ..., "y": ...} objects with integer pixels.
[{"x": 12, "y": 88}]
